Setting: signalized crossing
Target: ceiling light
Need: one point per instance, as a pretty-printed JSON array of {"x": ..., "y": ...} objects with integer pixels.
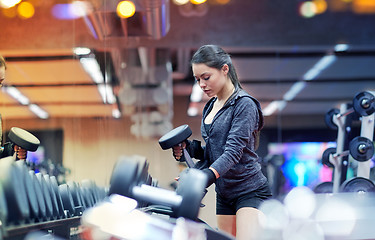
[
  {"x": 322, "y": 64},
  {"x": 38, "y": 111},
  {"x": 125, "y": 9},
  {"x": 79, "y": 51},
  {"x": 16, "y": 94},
  {"x": 294, "y": 90},
  {"x": 273, "y": 107},
  {"x": 92, "y": 67}
]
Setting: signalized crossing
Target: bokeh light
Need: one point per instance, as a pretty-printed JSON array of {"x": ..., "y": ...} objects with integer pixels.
[
  {"x": 180, "y": 2},
  {"x": 9, "y": 3},
  {"x": 25, "y": 10},
  {"x": 197, "y": 1},
  {"x": 300, "y": 202},
  {"x": 125, "y": 9},
  {"x": 321, "y": 6},
  {"x": 308, "y": 9}
]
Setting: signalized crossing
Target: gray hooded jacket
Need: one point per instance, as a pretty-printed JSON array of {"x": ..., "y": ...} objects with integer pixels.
[{"x": 230, "y": 145}]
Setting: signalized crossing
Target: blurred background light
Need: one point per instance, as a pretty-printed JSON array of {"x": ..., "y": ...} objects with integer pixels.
[
  {"x": 25, "y": 10},
  {"x": 307, "y": 9},
  {"x": 72, "y": 10},
  {"x": 321, "y": 6},
  {"x": 197, "y": 1},
  {"x": 125, "y": 9},
  {"x": 9, "y": 3},
  {"x": 180, "y": 2}
]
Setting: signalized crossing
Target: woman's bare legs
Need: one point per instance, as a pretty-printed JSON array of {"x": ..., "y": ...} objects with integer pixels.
[
  {"x": 227, "y": 223},
  {"x": 247, "y": 222}
]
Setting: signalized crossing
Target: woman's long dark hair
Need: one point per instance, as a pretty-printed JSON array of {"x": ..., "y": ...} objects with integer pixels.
[{"x": 215, "y": 57}]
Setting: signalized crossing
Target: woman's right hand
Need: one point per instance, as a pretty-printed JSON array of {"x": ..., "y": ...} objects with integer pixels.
[{"x": 178, "y": 150}]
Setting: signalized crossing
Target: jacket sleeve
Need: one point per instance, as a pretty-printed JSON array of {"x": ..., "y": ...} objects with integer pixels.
[
  {"x": 7, "y": 150},
  {"x": 244, "y": 122}
]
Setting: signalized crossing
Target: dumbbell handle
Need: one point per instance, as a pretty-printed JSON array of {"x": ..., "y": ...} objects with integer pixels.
[
  {"x": 156, "y": 195},
  {"x": 188, "y": 159}
]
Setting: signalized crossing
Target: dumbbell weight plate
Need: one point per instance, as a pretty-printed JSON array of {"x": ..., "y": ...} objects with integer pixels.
[
  {"x": 39, "y": 195},
  {"x": 324, "y": 187},
  {"x": 24, "y": 139},
  {"x": 46, "y": 195},
  {"x": 67, "y": 199},
  {"x": 55, "y": 206},
  {"x": 93, "y": 189},
  {"x": 175, "y": 136},
  {"x": 360, "y": 99},
  {"x": 357, "y": 184},
  {"x": 30, "y": 190},
  {"x": 325, "y": 157},
  {"x": 14, "y": 191},
  {"x": 191, "y": 187},
  {"x": 329, "y": 118},
  {"x": 78, "y": 206},
  {"x": 124, "y": 177},
  {"x": 55, "y": 186},
  {"x": 361, "y": 148}
]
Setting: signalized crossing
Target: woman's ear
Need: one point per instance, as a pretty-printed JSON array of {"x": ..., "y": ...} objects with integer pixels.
[{"x": 225, "y": 68}]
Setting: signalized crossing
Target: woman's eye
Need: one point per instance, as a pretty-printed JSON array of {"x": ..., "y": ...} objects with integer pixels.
[{"x": 206, "y": 78}]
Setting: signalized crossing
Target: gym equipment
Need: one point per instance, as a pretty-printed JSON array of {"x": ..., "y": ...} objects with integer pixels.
[
  {"x": 175, "y": 137},
  {"x": 23, "y": 139},
  {"x": 185, "y": 202},
  {"x": 340, "y": 162},
  {"x": 367, "y": 131},
  {"x": 67, "y": 199},
  {"x": 326, "y": 155},
  {"x": 358, "y": 184},
  {"x": 361, "y": 148},
  {"x": 39, "y": 196},
  {"x": 324, "y": 187},
  {"x": 46, "y": 195},
  {"x": 14, "y": 191},
  {"x": 78, "y": 205},
  {"x": 30, "y": 190},
  {"x": 363, "y": 104},
  {"x": 55, "y": 206},
  {"x": 56, "y": 191}
]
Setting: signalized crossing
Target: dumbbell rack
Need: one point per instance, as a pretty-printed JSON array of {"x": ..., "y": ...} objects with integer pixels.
[
  {"x": 360, "y": 148},
  {"x": 64, "y": 228},
  {"x": 367, "y": 131}
]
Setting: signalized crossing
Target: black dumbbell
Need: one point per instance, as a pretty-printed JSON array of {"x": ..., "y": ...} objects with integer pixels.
[
  {"x": 18, "y": 211},
  {"x": 175, "y": 137},
  {"x": 361, "y": 149},
  {"x": 30, "y": 191},
  {"x": 358, "y": 185},
  {"x": 23, "y": 139},
  {"x": 185, "y": 202},
  {"x": 363, "y": 105}
]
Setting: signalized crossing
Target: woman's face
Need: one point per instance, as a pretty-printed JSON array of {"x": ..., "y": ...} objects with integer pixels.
[
  {"x": 211, "y": 80},
  {"x": 2, "y": 75}
]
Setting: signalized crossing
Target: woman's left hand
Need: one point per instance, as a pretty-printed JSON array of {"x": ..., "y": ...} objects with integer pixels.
[{"x": 20, "y": 152}]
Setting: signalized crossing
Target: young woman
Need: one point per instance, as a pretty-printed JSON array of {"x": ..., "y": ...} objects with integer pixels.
[
  {"x": 230, "y": 128},
  {"x": 8, "y": 148}
]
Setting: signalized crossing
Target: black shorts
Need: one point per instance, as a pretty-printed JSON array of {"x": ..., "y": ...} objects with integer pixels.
[{"x": 252, "y": 199}]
